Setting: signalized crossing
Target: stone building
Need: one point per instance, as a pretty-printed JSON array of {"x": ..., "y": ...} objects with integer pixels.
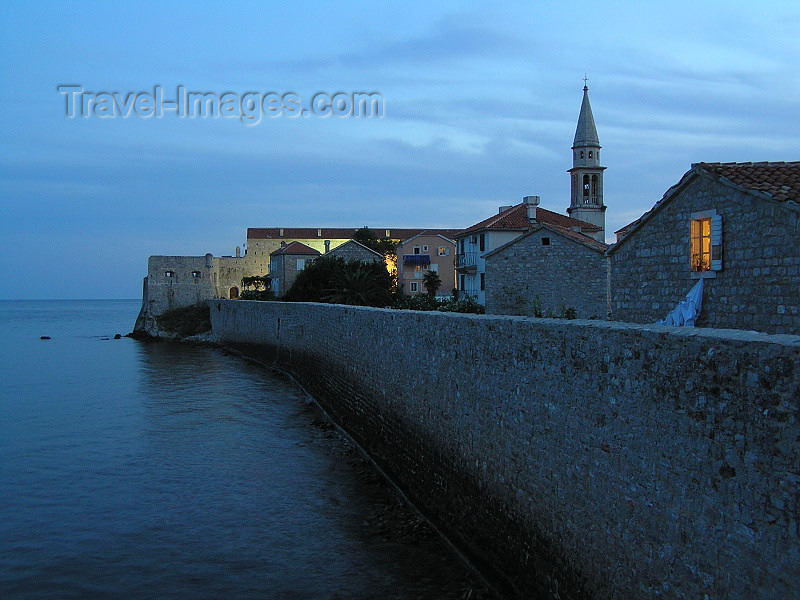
[
  {"x": 286, "y": 262},
  {"x": 737, "y": 226},
  {"x": 475, "y": 242},
  {"x": 547, "y": 271},
  {"x": 353, "y": 250},
  {"x": 421, "y": 254},
  {"x": 176, "y": 281}
]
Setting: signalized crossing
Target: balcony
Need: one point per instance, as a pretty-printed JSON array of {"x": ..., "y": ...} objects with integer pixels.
[
  {"x": 467, "y": 262},
  {"x": 417, "y": 259}
]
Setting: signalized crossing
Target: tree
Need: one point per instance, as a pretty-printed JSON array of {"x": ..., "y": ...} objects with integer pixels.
[
  {"x": 361, "y": 285},
  {"x": 333, "y": 280},
  {"x": 385, "y": 246},
  {"x": 431, "y": 282},
  {"x": 257, "y": 287}
]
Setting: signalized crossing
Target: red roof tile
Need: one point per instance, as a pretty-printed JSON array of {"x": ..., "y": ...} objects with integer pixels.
[
  {"x": 295, "y": 248},
  {"x": 781, "y": 180},
  {"x": 336, "y": 233},
  {"x": 516, "y": 219}
]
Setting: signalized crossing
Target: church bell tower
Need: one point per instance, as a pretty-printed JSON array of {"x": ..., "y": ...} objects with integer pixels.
[{"x": 586, "y": 201}]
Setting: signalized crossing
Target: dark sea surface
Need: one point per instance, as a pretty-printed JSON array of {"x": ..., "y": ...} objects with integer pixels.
[{"x": 162, "y": 470}]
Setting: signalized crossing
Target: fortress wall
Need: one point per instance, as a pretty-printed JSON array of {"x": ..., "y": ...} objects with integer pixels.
[{"x": 573, "y": 458}]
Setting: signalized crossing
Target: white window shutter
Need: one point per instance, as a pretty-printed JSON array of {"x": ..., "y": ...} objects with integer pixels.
[{"x": 716, "y": 242}]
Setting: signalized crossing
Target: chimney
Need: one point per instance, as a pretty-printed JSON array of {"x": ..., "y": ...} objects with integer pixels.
[
  {"x": 327, "y": 246},
  {"x": 238, "y": 252},
  {"x": 531, "y": 202},
  {"x": 503, "y": 209}
]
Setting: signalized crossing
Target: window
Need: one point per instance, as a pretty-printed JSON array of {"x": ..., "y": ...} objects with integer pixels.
[
  {"x": 301, "y": 264},
  {"x": 585, "y": 185},
  {"x": 483, "y": 242},
  {"x": 169, "y": 273},
  {"x": 416, "y": 249},
  {"x": 590, "y": 154},
  {"x": 444, "y": 251},
  {"x": 581, "y": 153},
  {"x": 483, "y": 281},
  {"x": 424, "y": 248},
  {"x": 461, "y": 241},
  {"x": 461, "y": 282},
  {"x": 545, "y": 241},
  {"x": 196, "y": 274},
  {"x": 706, "y": 241},
  {"x": 414, "y": 286}
]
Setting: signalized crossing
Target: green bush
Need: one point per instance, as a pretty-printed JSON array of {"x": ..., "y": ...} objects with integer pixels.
[{"x": 426, "y": 302}]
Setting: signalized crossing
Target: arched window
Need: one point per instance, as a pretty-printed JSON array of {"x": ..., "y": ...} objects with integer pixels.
[
  {"x": 585, "y": 186},
  {"x": 581, "y": 153},
  {"x": 590, "y": 154},
  {"x": 594, "y": 189}
]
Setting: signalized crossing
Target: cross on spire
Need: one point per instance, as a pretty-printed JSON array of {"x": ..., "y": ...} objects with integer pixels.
[{"x": 585, "y": 79}]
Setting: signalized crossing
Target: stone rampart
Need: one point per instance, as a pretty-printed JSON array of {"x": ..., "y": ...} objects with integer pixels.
[{"x": 574, "y": 458}]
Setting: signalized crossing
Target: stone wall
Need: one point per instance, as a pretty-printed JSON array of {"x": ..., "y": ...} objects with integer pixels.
[
  {"x": 563, "y": 274},
  {"x": 570, "y": 458},
  {"x": 757, "y": 287}
]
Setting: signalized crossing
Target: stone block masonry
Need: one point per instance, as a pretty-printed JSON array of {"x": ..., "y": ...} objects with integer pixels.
[{"x": 572, "y": 458}]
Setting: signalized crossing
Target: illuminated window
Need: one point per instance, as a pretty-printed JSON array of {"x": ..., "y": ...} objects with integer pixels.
[
  {"x": 443, "y": 251},
  {"x": 701, "y": 244},
  {"x": 706, "y": 241},
  {"x": 169, "y": 273},
  {"x": 196, "y": 274}
]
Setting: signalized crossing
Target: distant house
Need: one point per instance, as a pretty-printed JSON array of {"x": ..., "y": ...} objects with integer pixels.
[
  {"x": 263, "y": 241},
  {"x": 421, "y": 254},
  {"x": 353, "y": 250},
  {"x": 286, "y": 262},
  {"x": 492, "y": 233},
  {"x": 737, "y": 226},
  {"x": 547, "y": 271}
]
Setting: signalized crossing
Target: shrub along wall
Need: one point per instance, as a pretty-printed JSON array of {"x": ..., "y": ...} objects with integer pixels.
[{"x": 572, "y": 458}]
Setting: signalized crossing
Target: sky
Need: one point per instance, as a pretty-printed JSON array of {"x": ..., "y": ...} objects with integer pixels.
[{"x": 480, "y": 104}]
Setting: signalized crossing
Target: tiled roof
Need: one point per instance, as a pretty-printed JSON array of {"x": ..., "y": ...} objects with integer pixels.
[
  {"x": 781, "y": 180},
  {"x": 624, "y": 230},
  {"x": 579, "y": 237},
  {"x": 295, "y": 248},
  {"x": 516, "y": 219},
  {"x": 336, "y": 233}
]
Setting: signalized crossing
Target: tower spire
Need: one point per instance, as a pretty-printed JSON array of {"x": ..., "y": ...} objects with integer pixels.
[{"x": 586, "y": 174}]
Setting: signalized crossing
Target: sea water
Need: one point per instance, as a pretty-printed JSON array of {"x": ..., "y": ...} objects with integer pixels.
[{"x": 165, "y": 470}]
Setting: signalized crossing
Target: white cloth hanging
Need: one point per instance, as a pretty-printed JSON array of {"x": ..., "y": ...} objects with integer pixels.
[{"x": 688, "y": 309}]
